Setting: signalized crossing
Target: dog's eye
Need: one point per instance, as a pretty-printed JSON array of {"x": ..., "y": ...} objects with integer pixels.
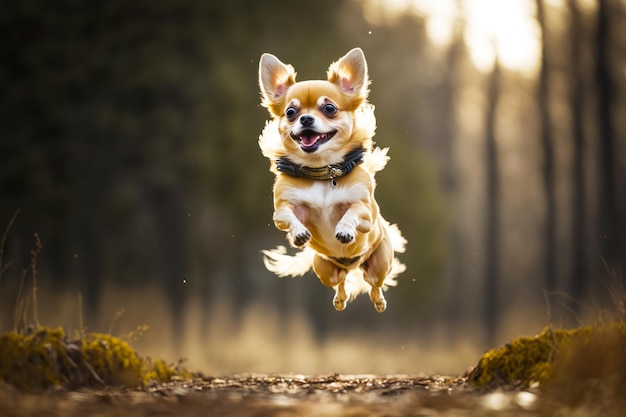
[
  {"x": 291, "y": 113},
  {"x": 329, "y": 109}
]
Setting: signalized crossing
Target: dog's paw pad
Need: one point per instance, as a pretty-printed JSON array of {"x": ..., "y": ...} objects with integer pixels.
[
  {"x": 340, "y": 305},
  {"x": 377, "y": 297},
  {"x": 380, "y": 305},
  {"x": 300, "y": 239},
  {"x": 344, "y": 235},
  {"x": 340, "y": 300}
]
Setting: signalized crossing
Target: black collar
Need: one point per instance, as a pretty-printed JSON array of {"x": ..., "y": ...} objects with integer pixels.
[{"x": 329, "y": 172}]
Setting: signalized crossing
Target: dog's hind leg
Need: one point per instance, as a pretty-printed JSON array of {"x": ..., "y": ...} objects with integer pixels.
[
  {"x": 340, "y": 299},
  {"x": 332, "y": 276},
  {"x": 376, "y": 269}
]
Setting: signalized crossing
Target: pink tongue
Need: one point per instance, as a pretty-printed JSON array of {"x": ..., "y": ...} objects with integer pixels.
[{"x": 309, "y": 140}]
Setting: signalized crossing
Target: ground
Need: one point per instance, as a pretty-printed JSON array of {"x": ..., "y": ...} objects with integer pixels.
[
  {"x": 579, "y": 372},
  {"x": 280, "y": 395}
]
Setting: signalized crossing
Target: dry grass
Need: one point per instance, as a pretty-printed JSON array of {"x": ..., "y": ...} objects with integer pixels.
[{"x": 34, "y": 358}]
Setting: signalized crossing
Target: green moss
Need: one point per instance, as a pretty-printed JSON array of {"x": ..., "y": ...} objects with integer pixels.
[
  {"x": 37, "y": 359},
  {"x": 159, "y": 370},
  {"x": 112, "y": 360},
  {"x": 527, "y": 361},
  {"x": 44, "y": 358}
]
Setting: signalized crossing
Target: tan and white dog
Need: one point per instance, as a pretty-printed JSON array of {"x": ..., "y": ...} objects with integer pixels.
[{"x": 319, "y": 142}]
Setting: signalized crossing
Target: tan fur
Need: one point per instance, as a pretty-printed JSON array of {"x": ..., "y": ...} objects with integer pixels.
[{"x": 328, "y": 221}]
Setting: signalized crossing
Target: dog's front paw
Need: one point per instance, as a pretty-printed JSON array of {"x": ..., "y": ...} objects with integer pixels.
[
  {"x": 344, "y": 234},
  {"x": 300, "y": 237}
]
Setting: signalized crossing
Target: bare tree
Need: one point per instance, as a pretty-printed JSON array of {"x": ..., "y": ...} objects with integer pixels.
[
  {"x": 608, "y": 221},
  {"x": 456, "y": 273},
  {"x": 548, "y": 156},
  {"x": 492, "y": 212},
  {"x": 577, "y": 282}
]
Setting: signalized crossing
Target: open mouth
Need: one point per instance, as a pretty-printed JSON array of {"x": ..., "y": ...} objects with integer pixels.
[{"x": 310, "y": 140}]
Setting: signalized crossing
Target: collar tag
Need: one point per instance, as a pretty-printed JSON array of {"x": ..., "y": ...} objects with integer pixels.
[{"x": 333, "y": 171}]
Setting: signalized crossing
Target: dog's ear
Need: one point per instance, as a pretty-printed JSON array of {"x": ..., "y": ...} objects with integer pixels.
[
  {"x": 349, "y": 73},
  {"x": 274, "y": 79}
]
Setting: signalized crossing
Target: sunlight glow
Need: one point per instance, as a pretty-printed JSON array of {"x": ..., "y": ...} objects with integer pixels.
[
  {"x": 441, "y": 19},
  {"x": 504, "y": 28}
]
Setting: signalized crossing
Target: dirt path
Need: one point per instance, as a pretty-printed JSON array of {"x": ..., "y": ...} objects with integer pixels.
[{"x": 280, "y": 395}]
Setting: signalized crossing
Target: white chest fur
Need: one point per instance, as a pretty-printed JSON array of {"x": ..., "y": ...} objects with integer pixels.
[
  {"x": 327, "y": 213},
  {"x": 323, "y": 197}
]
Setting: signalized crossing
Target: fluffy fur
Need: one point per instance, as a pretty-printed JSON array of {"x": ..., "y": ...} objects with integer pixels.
[{"x": 335, "y": 222}]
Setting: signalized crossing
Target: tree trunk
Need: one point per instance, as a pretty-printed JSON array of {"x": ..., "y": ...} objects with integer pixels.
[
  {"x": 492, "y": 221},
  {"x": 578, "y": 275},
  {"x": 607, "y": 211},
  {"x": 456, "y": 291},
  {"x": 547, "y": 145}
]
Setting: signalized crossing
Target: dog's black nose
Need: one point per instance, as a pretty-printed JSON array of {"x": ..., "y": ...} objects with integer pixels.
[{"x": 306, "y": 120}]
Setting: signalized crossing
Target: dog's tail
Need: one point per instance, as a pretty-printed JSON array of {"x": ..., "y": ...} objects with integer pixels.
[{"x": 278, "y": 262}]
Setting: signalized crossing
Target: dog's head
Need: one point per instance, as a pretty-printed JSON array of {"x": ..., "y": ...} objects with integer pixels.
[{"x": 317, "y": 117}]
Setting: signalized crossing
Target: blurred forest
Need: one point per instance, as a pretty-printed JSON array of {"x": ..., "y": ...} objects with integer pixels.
[{"x": 129, "y": 145}]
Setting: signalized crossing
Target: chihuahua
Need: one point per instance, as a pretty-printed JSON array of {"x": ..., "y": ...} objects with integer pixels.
[{"x": 320, "y": 147}]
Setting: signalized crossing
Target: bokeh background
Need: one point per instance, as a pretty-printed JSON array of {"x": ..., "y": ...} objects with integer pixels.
[{"x": 128, "y": 143}]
